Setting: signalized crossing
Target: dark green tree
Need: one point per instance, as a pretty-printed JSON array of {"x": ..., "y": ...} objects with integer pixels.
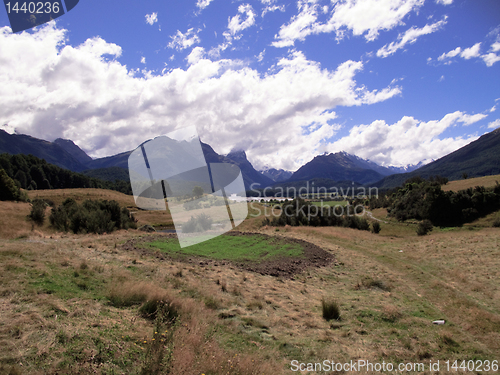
[
  {"x": 8, "y": 189},
  {"x": 21, "y": 177},
  {"x": 197, "y": 191}
]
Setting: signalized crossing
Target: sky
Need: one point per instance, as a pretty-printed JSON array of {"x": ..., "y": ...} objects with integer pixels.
[{"x": 394, "y": 81}]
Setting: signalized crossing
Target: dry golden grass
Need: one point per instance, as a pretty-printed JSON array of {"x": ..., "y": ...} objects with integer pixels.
[
  {"x": 59, "y": 195},
  {"x": 13, "y": 219},
  {"x": 486, "y": 181}
]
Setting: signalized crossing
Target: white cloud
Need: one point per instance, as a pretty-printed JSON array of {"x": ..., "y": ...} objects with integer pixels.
[
  {"x": 495, "y": 47},
  {"x": 471, "y": 119},
  {"x": 196, "y": 55},
  {"x": 182, "y": 41},
  {"x": 408, "y": 141},
  {"x": 471, "y": 52},
  {"x": 270, "y": 6},
  {"x": 489, "y": 58},
  {"x": 409, "y": 37},
  {"x": 494, "y": 124},
  {"x": 152, "y": 18},
  {"x": 202, "y": 4},
  {"x": 444, "y": 2},
  {"x": 450, "y": 54},
  {"x": 260, "y": 57},
  {"x": 74, "y": 92},
  {"x": 143, "y": 60},
  {"x": 237, "y": 24},
  {"x": 361, "y": 17}
]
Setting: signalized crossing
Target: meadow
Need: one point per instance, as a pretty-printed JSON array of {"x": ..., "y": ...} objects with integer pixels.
[{"x": 86, "y": 304}]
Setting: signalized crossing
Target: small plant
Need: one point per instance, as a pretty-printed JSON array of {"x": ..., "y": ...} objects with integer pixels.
[
  {"x": 424, "y": 227},
  {"x": 155, "y": 309},
  {"x": 331, "y": 310},
  {"x": 376, "y": 227},
  {"x": 370, "y": 283}
]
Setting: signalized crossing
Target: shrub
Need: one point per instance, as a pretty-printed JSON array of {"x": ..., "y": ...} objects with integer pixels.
[
  {"x": 496, "y": 222},
  {"x": 91, "y": 217},
  {"x": 424, "y": 227},
  {"x": 59, "y": 219},
  {"x": 200, "y": 223},
  {"x": 330, "y": 310},
  {"x": 37, "y": 213},
  {"x": 376, "y": 227}
]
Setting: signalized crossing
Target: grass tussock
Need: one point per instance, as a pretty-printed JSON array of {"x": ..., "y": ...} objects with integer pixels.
[
  {"x": 131, "y": 293},
  {"x": 330, "y": 309},
  {"x": 371, "y": 283}
]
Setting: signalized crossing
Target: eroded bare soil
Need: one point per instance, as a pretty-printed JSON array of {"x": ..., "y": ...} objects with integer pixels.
[{"x": 313, "y": 256}]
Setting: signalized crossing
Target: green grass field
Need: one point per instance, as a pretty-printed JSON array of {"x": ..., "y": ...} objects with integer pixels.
[{"x": 254, "y": 248}]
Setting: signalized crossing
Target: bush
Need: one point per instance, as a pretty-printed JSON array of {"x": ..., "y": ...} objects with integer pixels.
[
  {"x": 424, "y": 227},
  {"x": 376, "y": 227},
  {"x": 200, "y": 223},
  {"x": 330, "y": 309},
  {"x": 496, "y": 222},
  {"x": 37, "y": 213}
]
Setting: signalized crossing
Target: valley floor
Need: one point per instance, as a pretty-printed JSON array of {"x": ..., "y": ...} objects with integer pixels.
[{"x": 70, "y": 304}]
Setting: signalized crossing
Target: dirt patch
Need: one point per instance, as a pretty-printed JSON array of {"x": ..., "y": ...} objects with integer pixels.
[{"x": 313, "y": 256}]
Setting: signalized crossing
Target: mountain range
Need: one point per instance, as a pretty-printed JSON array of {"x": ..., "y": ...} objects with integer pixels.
[{"x": 479, "y": 158}]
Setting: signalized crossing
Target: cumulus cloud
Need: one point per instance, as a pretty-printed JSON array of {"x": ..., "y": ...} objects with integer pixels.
[
  {"x": 361, "y": 17},
  {"x": 444, "y": 2},
  {"x": 182, "y": 41},
  {"x": 243, "y": 20},
  {"x": 409, "y": 37},
  {"x": 407, "y": 141},
  {"x": 152, "y": 18},
  {"x": 83, "y": 93}
]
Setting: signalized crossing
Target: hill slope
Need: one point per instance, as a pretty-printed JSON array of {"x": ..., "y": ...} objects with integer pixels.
[
  {"x": 478, "y": 158},
  {"x": 53, "y": 153}
]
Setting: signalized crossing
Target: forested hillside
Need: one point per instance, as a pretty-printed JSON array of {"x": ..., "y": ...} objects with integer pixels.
[{"x": 32, "y": 173}]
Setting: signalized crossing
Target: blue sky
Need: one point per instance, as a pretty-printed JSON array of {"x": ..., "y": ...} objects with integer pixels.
[{"x": 393, "y": 81}]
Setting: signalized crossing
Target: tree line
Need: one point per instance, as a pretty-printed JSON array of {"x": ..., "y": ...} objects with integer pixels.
[
  {"x": 422, "y": 199},
  {"x": 31, "y": 173}
]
